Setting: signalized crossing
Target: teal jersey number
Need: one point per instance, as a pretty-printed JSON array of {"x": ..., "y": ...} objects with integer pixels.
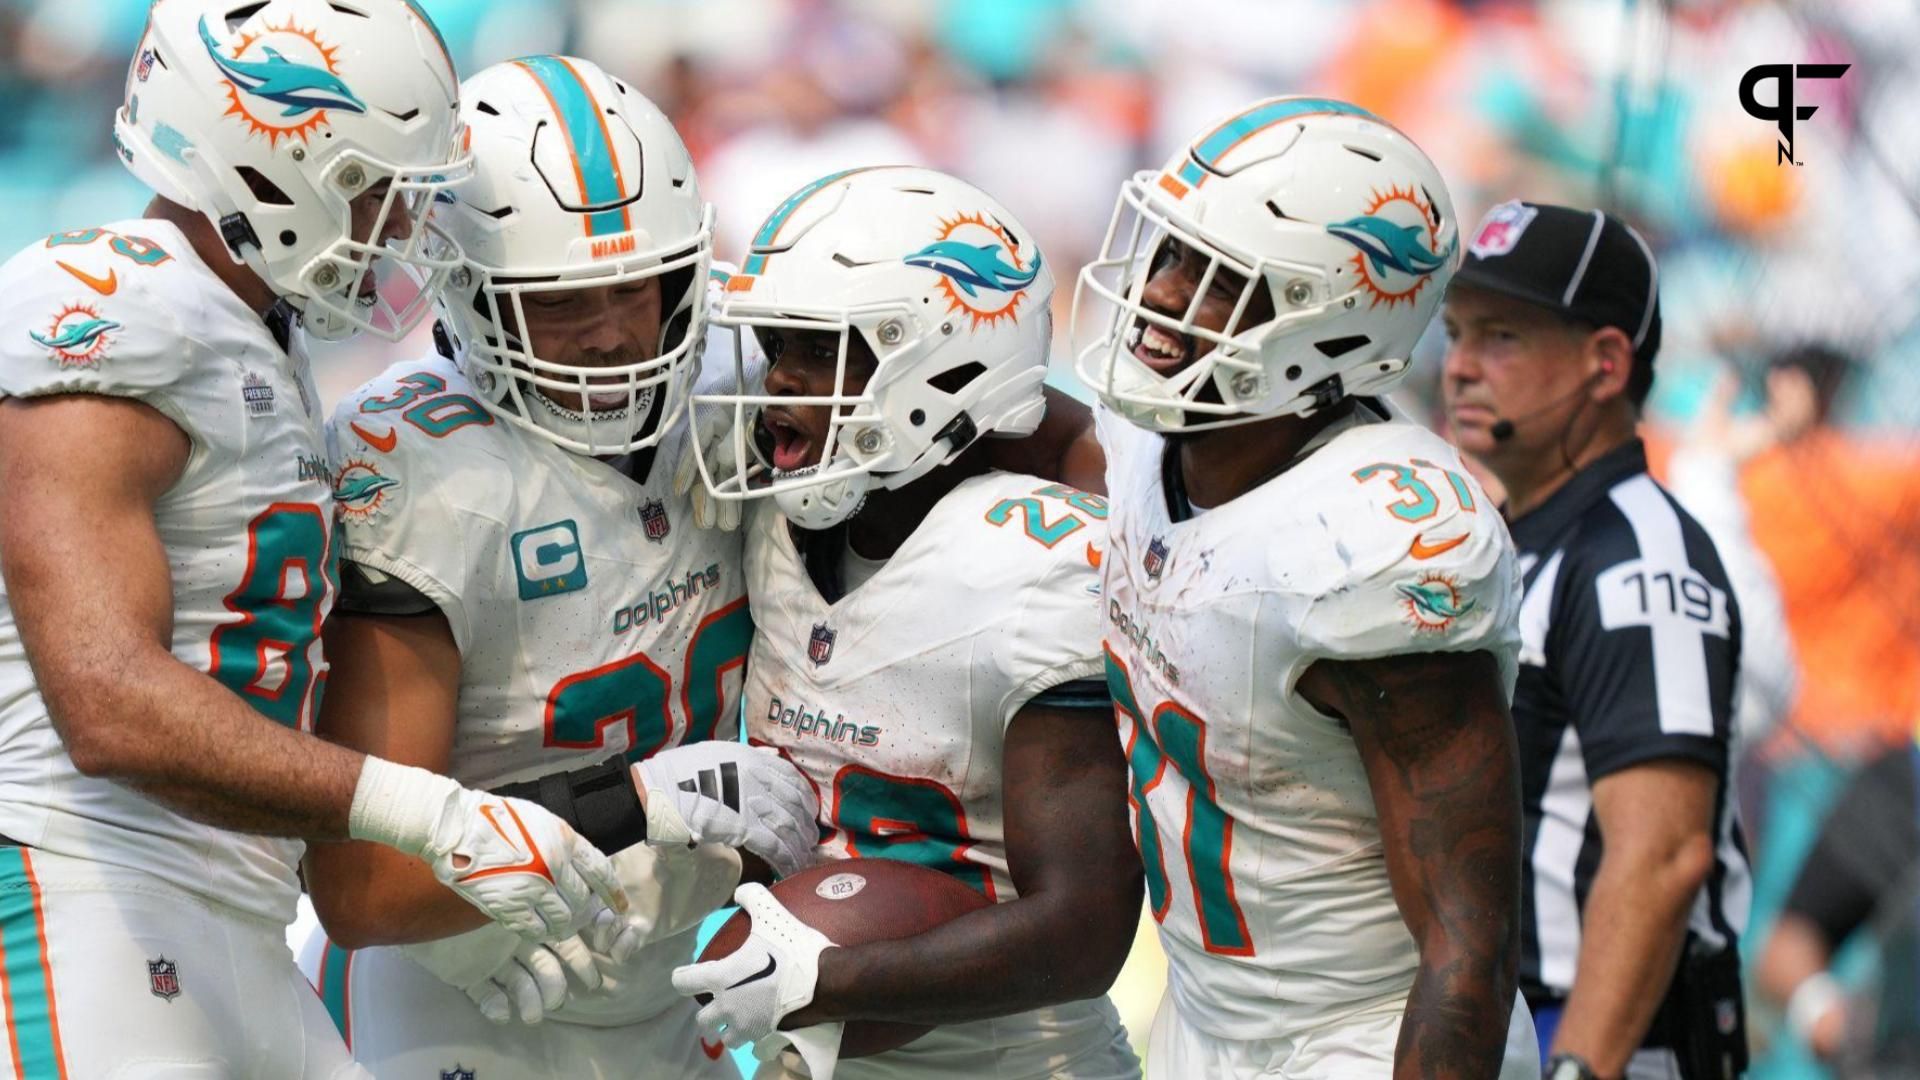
[
  {"x": 138, "y": 248},
  {"x": 1033, "y": 514},
  {"x": 633, "y": 693},
  {"x": 1419, "y": 502},
  {"x": 630, "y": 693},
  {"x": 265, "y": 656},
  {"x": 429, "y": 407},
  {"x": 420, "y": 384},
  {"x": 900, "y": 817},
  {"x": 720, "y": 644},
  {"x": 1178, "y": 738}
]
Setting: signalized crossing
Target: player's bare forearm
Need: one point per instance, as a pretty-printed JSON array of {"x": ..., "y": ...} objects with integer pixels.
[
  {"x": 394, "y": 692},
  {"x": 367, "y": 894},
  {"x": 194, "y": 745},
  {"x": 90, "y": 586},
  {"x": 1655, "y": 821},
  {"x": 1062, "y": 449},
  {"x": 1071, "y": 856},
  {"x": 1434, "y": 733}
]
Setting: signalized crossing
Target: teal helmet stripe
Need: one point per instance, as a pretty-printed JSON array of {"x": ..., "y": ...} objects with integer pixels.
[
  {"x": 757, "y": 263},
  {"x": 586, "y": 132},
  {"x": 1208, "y": 151},
  {"x": 421, "y": 13}
]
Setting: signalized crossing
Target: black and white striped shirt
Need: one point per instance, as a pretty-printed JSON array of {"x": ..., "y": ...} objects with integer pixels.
[{"x": 1630, "y": 644}]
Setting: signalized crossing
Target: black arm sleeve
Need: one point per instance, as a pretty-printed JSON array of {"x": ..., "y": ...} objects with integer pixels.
[
  {"x": 599, "y": 801},
  {"x": 1079, "y": 694},
  {"x": 1867, "y": 848}
]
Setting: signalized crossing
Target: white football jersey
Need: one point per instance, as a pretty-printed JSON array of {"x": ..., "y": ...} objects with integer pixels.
[
  {"x": 895, "y": 702},
  {"x": 592, "y": 618},
  {"x": 1255, "y": 820},
  {"x": 128, "y": 310}
]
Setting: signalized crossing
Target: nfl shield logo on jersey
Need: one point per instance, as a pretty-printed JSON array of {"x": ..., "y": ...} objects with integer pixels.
[
  {"x": 820, "y": 645},
  {"x": 1155, "y": 560},
  {"x": 163, "y": 978},
  {"x": 458, "y": 1072},
  {"x": 653, "y": 517}
]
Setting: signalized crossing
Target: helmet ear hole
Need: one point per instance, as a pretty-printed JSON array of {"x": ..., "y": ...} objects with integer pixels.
[
  {"x": 265, "y": 190},
  {"x": 953, "y": 380},
  {"x": 1334, "y": 348}
]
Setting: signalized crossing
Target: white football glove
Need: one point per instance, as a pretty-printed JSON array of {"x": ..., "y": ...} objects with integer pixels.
[
  {"x": 512, "y": 859},
  {"x": 505, "y": 975},
  {"x": 734, "y": 794},
  {"x": 771, "y": 974},
  {"x": 712, "y": 428}
]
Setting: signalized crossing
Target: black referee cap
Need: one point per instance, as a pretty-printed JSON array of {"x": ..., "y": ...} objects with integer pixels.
[{"x": 1585, "y": 265}]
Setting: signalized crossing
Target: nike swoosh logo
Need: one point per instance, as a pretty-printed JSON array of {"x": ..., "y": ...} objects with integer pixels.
[
  {"x": 383, "y": 443},
  {"x": 758, "y": 975},
  {"x": 712, "y": 1050},
  {"x": 105, "y": 286},
  {"x": 1423, "y": 550},
  {"x": 535, "y": 864}
]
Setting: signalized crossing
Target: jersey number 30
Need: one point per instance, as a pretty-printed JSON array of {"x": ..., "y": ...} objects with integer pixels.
[{"x": 632, "y": 693}]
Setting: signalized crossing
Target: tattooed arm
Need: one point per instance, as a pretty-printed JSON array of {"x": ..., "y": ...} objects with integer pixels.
[{"x": 1438, "y": 744}]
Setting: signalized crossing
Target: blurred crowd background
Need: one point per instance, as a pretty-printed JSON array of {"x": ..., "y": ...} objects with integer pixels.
[{"x": 1622, "y": 103}]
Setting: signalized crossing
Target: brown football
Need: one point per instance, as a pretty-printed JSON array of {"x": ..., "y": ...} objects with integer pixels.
[{"x": 856, "y": 902}]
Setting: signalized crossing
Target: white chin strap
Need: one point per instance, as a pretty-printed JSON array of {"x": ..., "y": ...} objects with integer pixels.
[{"x": 824, "y": 505}]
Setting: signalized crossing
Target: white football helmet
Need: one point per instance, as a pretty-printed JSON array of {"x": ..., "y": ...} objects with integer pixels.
[
  {"x": 580, "y": 183},
  {"x": 1338, "y": 216},
  {"x": 270, "y": 118},
  {"x": 945, "y": 287}
]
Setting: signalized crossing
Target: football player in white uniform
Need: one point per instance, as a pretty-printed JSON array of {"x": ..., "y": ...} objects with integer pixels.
[
  {"x": 165, "y": 585},
  {"x": 524, "y": 599},
  {"x": 1310, "y": 613},
  {"x": 929, "y": 639}
]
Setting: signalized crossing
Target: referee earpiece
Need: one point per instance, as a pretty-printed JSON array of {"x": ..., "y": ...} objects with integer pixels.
[{"x": 1504, "y": 427}]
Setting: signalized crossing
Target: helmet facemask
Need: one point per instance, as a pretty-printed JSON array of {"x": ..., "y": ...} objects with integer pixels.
[
  {"x": 859, "y": 442},
  {"x": 1228, "y": 383},
  {"x": 626, "y": 406},
  {"x": 384, "y": 273}
]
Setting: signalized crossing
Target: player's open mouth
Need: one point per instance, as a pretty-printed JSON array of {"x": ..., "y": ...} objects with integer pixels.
[
  {"x": 792, "y": 447},
  {"x": 1161, "y": 349}
]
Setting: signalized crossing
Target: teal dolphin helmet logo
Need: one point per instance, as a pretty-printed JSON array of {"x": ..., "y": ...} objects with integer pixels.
[
  {"x": 972, "y": 267},
  {"x": 302, "y": 90},
  {"x": 1391, "y": 246},
  {"x": 978, "y": 260},
  {"x": 1397, "y": 244}
]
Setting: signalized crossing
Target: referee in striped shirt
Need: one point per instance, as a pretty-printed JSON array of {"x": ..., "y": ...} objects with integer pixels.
[{"x": 1636, "y": 882}]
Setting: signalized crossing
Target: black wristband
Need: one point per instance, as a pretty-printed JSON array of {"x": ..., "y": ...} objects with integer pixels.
[{"x": 599, "y": 801}]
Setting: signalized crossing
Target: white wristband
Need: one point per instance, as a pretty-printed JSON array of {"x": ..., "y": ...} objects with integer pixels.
[
  {"x": 397, "y": 805},
  {"x": 1811, "y": 1000}
]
